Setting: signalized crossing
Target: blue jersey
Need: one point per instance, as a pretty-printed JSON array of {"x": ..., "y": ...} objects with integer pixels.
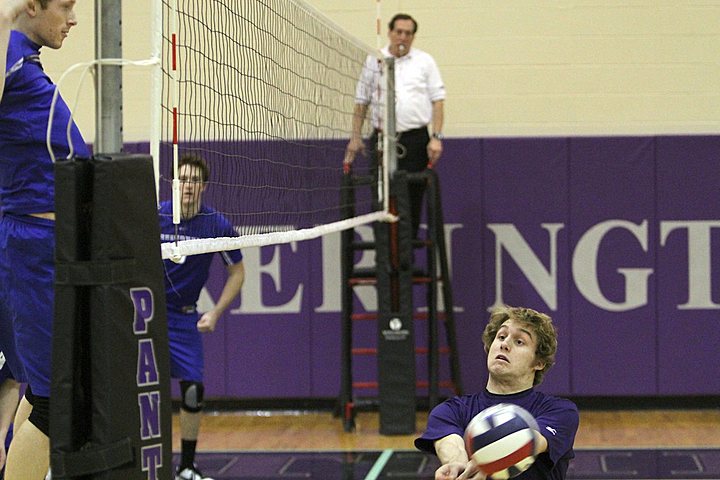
[
  {"x": 185, "y": 280},
  {"x": 557, "y": 418},
  {"x": 26, "y": 170}
]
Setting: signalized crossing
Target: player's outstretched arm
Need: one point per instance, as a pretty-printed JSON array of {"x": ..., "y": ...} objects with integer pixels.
[
  {"x": 455, "y": 463},
  {"x": 9, "y": 11},
  {"x": 541, "y": 443}
]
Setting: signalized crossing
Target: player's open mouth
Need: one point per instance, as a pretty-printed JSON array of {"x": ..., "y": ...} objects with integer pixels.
[{"x": 503, "y": 358}]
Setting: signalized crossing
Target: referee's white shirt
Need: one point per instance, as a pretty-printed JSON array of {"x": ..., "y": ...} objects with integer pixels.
[{"x": 417, "y": 85}]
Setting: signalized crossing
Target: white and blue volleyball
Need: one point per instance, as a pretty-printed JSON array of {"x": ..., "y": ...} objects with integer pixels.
[{"x": 501, "y": 442}]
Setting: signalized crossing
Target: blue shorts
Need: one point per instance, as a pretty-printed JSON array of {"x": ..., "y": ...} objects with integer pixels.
[
  {"x": 28, "y": 264},
  {"x": 186, "y": 347},
  {"x": 10, "y": 365}
]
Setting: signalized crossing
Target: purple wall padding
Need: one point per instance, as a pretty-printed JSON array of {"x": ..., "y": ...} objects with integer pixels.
[{"x": 633, "y": 285}]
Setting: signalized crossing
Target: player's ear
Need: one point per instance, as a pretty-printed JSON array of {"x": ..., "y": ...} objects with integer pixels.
[
  {"x": 32, "y": 8},
  {"x": 539, "y": 365}
]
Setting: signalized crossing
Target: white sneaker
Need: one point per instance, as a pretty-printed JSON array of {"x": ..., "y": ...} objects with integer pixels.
[{"x": 191, "y": 474}]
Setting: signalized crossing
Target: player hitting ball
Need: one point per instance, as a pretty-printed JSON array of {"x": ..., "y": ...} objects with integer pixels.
[{"x": 520, "y": 344}]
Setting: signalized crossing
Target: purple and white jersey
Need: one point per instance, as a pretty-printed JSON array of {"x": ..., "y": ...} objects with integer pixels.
[
  {"x": 557, "y": 418},
  {"x": 185, "y": 280},
  {"x": 27, "y": 182}
]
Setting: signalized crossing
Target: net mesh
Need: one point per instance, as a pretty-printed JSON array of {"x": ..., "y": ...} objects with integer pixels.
[{"x": 264, "y": 91}]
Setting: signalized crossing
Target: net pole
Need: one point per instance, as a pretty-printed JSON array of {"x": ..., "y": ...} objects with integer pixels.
[
  {"x": 384, "y": 140},
  {"x": 108, "y": 105},
  {"x": 389, "y": 139}
]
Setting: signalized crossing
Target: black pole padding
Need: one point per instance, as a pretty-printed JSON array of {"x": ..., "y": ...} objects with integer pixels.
[{"x": 110, "y": 408}]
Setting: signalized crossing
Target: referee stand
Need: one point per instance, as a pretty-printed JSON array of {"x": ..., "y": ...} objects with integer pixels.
[{"x": 397, "y": 351}]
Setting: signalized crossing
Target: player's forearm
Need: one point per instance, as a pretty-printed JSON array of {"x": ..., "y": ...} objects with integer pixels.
[
  {"x": 232, "y": 288},
  {"x": 5, "y": 27},
  {"x": 541, "y": 443},
  {"x": 9, "y": 11},
  {"x": 451, "y": 449}
]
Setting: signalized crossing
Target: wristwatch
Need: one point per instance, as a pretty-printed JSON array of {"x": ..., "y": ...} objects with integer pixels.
[{"x": 438, "y": 135}]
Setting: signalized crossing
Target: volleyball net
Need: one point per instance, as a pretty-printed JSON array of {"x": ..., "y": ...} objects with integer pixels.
[{"x": 264, "y": 92}]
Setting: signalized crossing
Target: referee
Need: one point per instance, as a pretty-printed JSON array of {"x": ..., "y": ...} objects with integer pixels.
[{"x": 420, "y": 94}]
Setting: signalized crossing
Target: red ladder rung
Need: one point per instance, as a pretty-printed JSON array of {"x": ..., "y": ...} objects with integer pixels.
[
  {"x": 424, "y": 350},
  {"x": 365, "y": 384},
  {"x": 418, "y": 350},
  {"x": 364, "y": 351},
  {"x": 424, "y": 316},
  {"x": 444, "y": 384}
]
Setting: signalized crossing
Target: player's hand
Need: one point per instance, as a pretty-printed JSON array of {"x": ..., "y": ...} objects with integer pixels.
[
  {"x": 434, "y": 151},
  {"x": 458, "y": 471},
  {"x": 207, "y": 322},
  {"x": 354, "y": 146}
]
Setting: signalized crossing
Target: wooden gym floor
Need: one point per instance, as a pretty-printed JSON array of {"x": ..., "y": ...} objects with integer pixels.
[{"x": 611, "y": 444}]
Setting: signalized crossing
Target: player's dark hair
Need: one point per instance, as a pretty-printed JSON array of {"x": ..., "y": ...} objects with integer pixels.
[
  {"x": 43, "y": 3},
  {"x": 540, "y": 323},
  {"x": 402, "y": 16},
  {"x": 196, "y": 161}
]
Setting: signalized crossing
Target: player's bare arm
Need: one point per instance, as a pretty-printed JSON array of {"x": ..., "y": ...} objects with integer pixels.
[
  {"x": 455, "y": 463},
  {"x": 233, "y": 285},
  {"x": 9, "y": 11}
]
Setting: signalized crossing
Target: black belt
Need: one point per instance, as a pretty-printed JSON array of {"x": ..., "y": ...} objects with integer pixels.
[
  {"x": 188, "y": 309},
  {"x": 412, "y": 131}
]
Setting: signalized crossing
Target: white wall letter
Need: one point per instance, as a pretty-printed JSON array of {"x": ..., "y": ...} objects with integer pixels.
[
  {"x": 699, "y": 261},
  {"x": 544, "y": 280},
  {"x": 584, "y": 267},
  {"x": 252, "y": 298}
]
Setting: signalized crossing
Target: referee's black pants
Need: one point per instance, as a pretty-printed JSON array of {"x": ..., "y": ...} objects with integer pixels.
[{"x": 412, "y": 157}]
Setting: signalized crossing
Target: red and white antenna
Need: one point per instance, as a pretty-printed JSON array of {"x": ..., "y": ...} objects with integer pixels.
[{"x": 378, "y": 23}]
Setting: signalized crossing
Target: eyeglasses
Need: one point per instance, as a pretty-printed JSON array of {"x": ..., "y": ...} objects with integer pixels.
[{"x": 192, "y": 179}]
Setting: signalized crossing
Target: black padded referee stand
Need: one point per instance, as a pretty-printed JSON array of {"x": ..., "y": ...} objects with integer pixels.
[
  {"x": 396, "y": 338},
  {"x": 110, "y": 409}
]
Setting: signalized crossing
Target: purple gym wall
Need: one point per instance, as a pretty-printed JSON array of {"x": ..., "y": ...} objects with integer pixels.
[{"x": 613, "y": 237}]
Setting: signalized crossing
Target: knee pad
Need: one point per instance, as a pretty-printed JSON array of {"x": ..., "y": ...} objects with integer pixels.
[
  {"x": 192, "y": 396},
  {"x": 40, "y": 414}
]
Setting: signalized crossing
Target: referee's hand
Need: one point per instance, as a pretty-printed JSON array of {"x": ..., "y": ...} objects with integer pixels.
[
  {"x": 354, "y": 146},
  {"x": 434, "y": 151}
]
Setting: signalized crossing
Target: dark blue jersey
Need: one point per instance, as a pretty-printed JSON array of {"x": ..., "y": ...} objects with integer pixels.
[
  {"x": 185, "y": 280},
  {"x": 557, "y": 418},
  {"x": 26, "y": 171}
]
